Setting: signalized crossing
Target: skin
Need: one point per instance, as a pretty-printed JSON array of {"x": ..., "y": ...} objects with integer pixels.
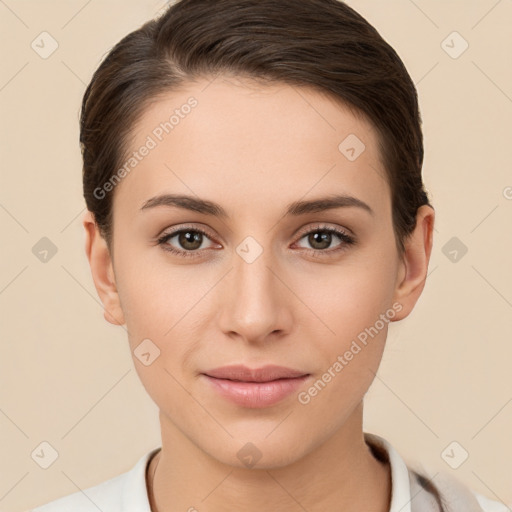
[{"x": 254, "y": 149}]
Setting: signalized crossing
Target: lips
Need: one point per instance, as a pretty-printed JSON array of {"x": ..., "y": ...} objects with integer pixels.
[
  {"x": 255, "y": 388},
  {"x": 263, "y": 374}
]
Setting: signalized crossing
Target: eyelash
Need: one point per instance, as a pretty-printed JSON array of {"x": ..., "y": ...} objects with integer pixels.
[{"x": 346, "y": 239}]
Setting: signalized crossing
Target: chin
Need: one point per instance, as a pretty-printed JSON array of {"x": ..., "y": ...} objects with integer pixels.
[{"x": 259, "y": 451}]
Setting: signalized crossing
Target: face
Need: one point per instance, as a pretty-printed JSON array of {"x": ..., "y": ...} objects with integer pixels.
[{"x": 255, "y": 266}]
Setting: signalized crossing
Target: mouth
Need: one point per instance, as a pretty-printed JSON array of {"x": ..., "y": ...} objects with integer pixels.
[
  {"x": 255, "y": 388},
  {"x": 266, "y": 373}
]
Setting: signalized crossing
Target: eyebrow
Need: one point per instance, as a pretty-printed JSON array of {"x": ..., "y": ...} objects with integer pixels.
[{"x": 295, "y": 209}]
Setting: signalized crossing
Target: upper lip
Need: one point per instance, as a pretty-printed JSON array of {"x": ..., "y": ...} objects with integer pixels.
[{"x": 263, "y": 374}]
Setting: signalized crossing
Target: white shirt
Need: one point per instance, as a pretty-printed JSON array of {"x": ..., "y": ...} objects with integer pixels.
[{"x": 127, "y": 492}]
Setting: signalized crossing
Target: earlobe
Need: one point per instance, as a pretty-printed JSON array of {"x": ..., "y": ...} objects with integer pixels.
[
  {"x": 414, "y": 267},
  {"x": 102, "y": 271}
]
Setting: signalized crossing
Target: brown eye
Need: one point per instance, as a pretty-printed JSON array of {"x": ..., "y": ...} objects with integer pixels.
[
  {"x": 321, "y": 239},
  {"x": 188, "y": 241}
]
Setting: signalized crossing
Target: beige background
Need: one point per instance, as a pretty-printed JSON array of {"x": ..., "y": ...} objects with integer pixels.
[{"x": 67, "y": 377}]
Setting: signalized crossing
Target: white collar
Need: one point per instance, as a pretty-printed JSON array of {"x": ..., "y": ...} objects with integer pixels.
[{"x": 400, "y": 482}]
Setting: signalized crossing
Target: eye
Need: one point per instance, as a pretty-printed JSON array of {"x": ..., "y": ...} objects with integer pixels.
[
  {"x": 189, "y": 239},
  {"x": 321, "y": 237}
]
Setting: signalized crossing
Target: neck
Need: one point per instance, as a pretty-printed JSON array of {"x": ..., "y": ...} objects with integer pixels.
[{"x": 342, "y": 474}]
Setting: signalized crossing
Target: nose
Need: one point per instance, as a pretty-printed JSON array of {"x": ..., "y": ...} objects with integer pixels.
[{"x": 255, "y": 305}]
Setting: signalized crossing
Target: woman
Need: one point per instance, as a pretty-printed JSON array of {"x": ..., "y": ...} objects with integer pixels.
[{"x": 256, "y": 219}]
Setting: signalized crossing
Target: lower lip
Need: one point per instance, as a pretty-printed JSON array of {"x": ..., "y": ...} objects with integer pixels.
[{"x": 256, "y": 394}]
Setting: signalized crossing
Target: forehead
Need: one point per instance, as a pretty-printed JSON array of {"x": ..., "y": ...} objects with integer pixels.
[{"x": 239, "y": 139}]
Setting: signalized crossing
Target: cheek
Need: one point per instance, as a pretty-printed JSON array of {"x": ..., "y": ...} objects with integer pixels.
[
  {"x": 155, "y": 306},
  {"x": 153, "y": 295},
  {"x": 350, "y": 298},
  {"x": 356, "y": 311},
  {"x": 166, "y": 306}
]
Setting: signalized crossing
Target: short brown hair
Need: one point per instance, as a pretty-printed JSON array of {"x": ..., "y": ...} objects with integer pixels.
[{"x": 322, "y": 44}]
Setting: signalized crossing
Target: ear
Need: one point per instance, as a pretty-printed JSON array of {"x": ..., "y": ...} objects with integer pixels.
[
  {"x": 102, "y": 270},
  {"x": 414, "y": 264}
]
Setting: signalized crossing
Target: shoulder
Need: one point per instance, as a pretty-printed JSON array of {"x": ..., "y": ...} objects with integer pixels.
[
  {"x": 489, "y": 505},
  {"x": 124, "y": 493},
  {"x": 104, "y": 496},
  {"x": 417, "y": 488},
  {"x": 451, "y": 493}
]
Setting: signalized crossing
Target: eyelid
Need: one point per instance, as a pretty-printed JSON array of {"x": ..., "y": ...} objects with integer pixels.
[
  {"x": 173, "y": 232},
  {"x": 185, "y": 227},
  {"x": 323, "y": 225},
  {"x": 344, "y": 234},
  {"x": 346, "y": 237}
]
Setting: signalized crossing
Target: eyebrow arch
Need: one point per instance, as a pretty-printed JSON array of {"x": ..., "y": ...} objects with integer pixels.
[
  {"x": 327, "y": 203},
  {"x": 296, "y": 208}
]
